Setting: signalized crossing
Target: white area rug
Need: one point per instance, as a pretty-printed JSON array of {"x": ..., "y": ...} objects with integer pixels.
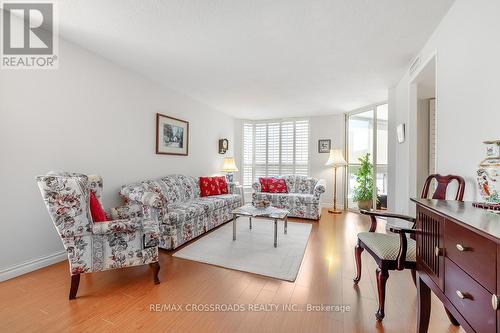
[{"x": 253, "y": 251}]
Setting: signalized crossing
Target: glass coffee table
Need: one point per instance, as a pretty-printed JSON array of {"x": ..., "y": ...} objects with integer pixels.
[{"x": 269, "y": 213}]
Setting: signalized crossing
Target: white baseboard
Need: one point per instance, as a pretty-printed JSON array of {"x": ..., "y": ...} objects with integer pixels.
[{"x": 31, "y": 265}]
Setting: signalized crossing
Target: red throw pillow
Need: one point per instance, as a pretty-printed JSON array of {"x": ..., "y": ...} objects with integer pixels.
[
  {"x": 277, "y": 185},
  {"x": 222, "y": 182},
  {"x": 264, "y": 184},
  {"x": 98, "y": 214},
  {"x": 209, "y": 186}
]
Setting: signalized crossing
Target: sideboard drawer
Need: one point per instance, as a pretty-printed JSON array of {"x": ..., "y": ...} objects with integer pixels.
[
  {"x": 475, "y": 306},
  {"x": 473, "y": 253}
]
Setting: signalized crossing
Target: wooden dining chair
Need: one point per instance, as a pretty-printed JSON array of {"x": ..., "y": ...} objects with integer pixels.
[{"x": 397, "y": 251}]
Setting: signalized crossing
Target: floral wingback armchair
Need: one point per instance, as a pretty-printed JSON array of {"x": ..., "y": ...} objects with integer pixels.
[{"x": 93, "y": 247}]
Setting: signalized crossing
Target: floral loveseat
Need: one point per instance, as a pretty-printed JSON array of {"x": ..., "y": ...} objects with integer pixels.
[
  {"x": 174, "y": 202},
  {"x": 302, "y": 199}
]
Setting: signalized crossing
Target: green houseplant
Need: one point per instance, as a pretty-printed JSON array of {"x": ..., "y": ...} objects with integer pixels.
[{"x": 363, "y": 192}]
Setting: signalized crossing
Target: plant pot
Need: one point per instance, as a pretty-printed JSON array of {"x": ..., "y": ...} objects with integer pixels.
[{"x": 365, "y": 204}]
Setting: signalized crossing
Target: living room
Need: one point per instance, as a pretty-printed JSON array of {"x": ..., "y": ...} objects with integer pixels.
[{"x": 249, "y": 166}]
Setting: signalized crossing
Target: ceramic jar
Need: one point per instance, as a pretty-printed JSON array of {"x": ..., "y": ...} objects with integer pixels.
[{"x": 488, "y": 174}]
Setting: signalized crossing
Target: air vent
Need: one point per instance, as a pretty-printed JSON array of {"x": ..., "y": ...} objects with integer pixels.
[{"x": 414, "y": 65}]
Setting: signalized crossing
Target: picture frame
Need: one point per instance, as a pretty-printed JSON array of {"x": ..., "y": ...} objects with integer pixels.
[
  {"x": 223, "y": 146},
  {"x": 324, "y": 146},
  {"x": 172, "y": 135}
]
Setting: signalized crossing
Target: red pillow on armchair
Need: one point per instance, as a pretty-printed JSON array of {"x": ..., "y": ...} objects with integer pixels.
[
  {"x": 277, "y": 185},
  {"x": 98, "y": 214},
  {"x": 209, "y": 186}
]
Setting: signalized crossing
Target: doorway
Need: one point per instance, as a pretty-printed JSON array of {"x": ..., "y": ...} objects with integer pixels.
[
  {"x": 423, "y": 141},
  {"x": 367, "y": 133}
]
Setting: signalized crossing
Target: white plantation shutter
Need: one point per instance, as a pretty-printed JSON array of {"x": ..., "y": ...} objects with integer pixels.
[
  {"x": 301, "y": 147},
  {"x": 260, "y": 154},
  {"x": 275, "y": 148},
  {"x": 248, "y": 153}
]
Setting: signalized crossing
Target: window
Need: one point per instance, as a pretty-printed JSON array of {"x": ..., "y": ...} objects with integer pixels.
[
  {"x": 367, "y": 133},
  {"x": 274, "y": 148}
]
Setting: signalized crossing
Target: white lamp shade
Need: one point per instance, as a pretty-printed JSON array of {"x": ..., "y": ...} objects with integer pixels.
[
  {"x": 336, "y": 158},
  {"x": 229, "y": 165}
]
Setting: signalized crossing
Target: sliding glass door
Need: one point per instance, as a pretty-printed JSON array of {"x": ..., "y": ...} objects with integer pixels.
[{"x": 366, "y": 133}]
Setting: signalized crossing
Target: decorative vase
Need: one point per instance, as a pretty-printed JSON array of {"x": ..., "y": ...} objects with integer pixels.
[
  {"x": 365, "y": 204},
  {"x": 488, "y": 174}
]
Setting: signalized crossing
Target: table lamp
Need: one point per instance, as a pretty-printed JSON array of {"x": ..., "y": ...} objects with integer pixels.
[{"x": 229, "y": 166}]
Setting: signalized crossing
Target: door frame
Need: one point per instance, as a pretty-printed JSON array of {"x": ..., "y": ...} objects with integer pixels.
[{"x": 374, "y": 151}]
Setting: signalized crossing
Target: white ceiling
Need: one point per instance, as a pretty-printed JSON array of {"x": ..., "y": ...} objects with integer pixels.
[{"x": 260, "y": 58}]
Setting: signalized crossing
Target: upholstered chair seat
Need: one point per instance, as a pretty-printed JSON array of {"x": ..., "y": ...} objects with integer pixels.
[{"x": 386, "y": 246}]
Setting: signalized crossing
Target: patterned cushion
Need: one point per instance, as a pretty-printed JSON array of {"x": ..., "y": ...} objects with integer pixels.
[
  {"x": 180, "y": 212},
  {"x": 387, "y": 246},
  {"x": 222, "y": 182},
  {"x": 209, "y": 186},
  {"x": 277, "y": 185},
  {"x": 300, "y": 184},
  {"x": 264, "y": 184},
  {"x": 229, "y": 199}
]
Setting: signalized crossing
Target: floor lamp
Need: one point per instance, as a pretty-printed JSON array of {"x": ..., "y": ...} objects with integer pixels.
[{"x": 335, "y": 160}]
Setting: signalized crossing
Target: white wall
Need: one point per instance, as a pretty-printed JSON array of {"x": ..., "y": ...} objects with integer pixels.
[
  {"x": 468, "y": 71},
  {"x": 333, "y": 128},
  {"x": 89, "y": 116}
]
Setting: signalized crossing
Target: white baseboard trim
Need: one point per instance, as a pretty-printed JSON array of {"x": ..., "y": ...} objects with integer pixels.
[{"x": 31, "y": 265}]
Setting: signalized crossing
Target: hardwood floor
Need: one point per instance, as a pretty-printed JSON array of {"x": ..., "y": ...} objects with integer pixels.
[{"x": 120, "y": 300}]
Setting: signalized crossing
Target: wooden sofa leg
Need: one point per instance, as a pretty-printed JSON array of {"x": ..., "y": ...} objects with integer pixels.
[
  {"x": 357, "y": 253},
  {"x": 75, "y": 282},
  {"x": 382, "y": 276},
  {"x": 155, "y": 267}
]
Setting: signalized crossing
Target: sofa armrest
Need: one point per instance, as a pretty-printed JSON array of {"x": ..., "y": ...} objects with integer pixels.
[
  {"x": 231, "y": 186},
  {"x": 320, "y": 187},
  {"x": 256, "y": 187},
  {"x": 131, "y": 210},
  {"x": 143, "y": 196}
]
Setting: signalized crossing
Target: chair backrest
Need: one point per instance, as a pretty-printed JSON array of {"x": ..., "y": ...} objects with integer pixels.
[
  {"x": 442, "y": 186},
  {"x": 300, "y": 184},
  {"x": 66, "y": 197}
]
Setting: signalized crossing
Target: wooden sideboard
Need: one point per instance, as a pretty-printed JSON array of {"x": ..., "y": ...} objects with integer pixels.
[{"x": 458, "y": 258}]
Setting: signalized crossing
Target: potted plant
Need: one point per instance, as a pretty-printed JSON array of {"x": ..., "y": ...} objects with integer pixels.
[{"x": 363, "y": 192}]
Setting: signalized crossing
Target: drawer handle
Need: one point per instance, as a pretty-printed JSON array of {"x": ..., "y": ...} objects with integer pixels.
[
  {"x": 461, "y": 248},
  {"x": 495, "y": 302},
  {"x": 461, "y": 295},
  {"x": 437, "y": 251}
]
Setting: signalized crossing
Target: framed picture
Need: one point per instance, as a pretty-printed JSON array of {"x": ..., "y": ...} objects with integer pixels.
[
  {"x": 172, "y": 135},
  {"x": 324, "y": 145},
  {"x": 223, "y": 146}
]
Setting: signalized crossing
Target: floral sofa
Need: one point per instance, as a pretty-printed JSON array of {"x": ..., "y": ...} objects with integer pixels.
[
  {"x": 302, "y": 199},
  {"x": 174, "y": 202},
  {"x": 96, "y": 246}
]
